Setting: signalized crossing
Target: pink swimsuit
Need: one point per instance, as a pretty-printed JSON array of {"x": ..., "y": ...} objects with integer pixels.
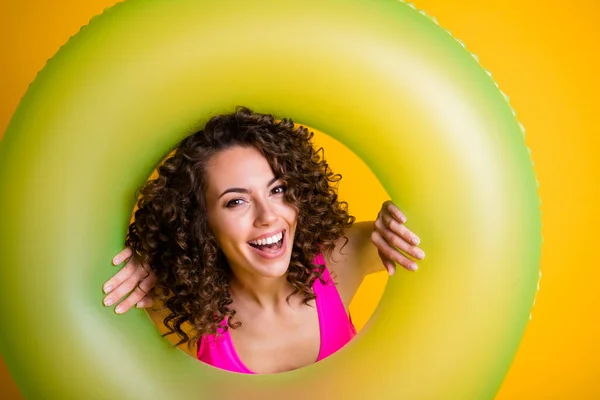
[{"x": 336, "y": 329}]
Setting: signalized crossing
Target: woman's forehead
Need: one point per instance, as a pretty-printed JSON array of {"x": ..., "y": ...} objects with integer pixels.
[{"x": 238, "y": 167}]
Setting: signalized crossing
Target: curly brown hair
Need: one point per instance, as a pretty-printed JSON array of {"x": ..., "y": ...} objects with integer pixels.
[{"x": 170, "y": 230}]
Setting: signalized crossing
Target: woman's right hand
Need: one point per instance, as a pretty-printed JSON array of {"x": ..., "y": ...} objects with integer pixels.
[{"x": 131, "y": 284}]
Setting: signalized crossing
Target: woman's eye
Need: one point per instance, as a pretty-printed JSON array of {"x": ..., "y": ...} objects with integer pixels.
[
  {"x": 279, "y": 189},
  {"x": 234, "y": 202}
]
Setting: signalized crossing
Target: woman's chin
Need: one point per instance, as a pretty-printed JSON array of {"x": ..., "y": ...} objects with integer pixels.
[
  {"x": 261, "y": 266},
  {"x": 274, "y": 270}
]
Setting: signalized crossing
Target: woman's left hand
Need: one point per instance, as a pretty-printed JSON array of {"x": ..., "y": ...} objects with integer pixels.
[{"x": 394, "y": 241}]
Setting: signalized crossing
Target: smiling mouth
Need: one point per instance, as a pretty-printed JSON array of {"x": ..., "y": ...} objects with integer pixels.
[{"x": 264, "y": 245}]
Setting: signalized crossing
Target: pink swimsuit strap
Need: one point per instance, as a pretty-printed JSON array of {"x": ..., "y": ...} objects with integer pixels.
[{"x": 336, "y": 329}]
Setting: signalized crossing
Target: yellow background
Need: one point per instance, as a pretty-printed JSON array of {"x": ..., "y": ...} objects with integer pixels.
[{"x": 545, "y": 57}]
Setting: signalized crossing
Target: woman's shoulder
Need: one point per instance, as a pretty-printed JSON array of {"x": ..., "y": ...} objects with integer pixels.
[{"x": 344, "y": 262}]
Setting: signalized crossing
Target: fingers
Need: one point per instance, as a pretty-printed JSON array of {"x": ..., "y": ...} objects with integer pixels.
[
  {"x": 123, "y": 288},
  {"x": 389, "y": 265},
  {"x": 139, "y": 296},
  {"x": 398, "y": 235},
  {"x": 136, "y": 287},
  {"x": 394, "y": 210},
  {"x": 394, "y": 241},
  {"x": 398, "y": 241},
  {"x": 145, "y": 302},
  {"x": 121, "y": 276},
  {"x": 391, "y": 253},
  {"x": 123, "y": 255},
  {"x": 392, "y": 223},
  {"x": 132, "y": 284}
]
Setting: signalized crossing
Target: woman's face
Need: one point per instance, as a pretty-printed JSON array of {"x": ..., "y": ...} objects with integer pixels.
[{"x": 248, "y": 214}]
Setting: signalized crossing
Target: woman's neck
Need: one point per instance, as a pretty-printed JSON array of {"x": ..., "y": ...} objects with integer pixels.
[{"x": 265, "y": 293}]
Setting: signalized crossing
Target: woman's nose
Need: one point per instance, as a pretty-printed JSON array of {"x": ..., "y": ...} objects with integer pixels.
[{"x": 265, "y": 214}]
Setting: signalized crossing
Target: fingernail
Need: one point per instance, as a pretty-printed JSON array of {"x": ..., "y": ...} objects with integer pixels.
[
  {"x": 108, "y": 302},
  {"x": 413, "y": 267},
  {"x": 415, "y": 240},
  {"x": 391, "y": 272},
  {"x": 116, "y": 261},
  {"x": 107, "y": 289},
  {"x": 419, "y": 254},
  {"x": 119, "y": 309},
  {"x": 403, "y": 219}
]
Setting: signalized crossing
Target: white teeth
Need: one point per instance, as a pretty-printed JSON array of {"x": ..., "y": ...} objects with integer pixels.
[{"x": 269, "y": 240}]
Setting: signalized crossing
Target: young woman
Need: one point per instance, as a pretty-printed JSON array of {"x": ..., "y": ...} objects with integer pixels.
[{"x": 242, "y": 238}]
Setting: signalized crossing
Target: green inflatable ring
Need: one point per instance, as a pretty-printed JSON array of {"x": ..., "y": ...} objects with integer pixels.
[{"x": 377, "y": 75}]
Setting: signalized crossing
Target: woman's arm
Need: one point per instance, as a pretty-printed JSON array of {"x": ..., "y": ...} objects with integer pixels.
[
  {"x": 367, "y": 248},
  {"x": 372, "y": 247}
]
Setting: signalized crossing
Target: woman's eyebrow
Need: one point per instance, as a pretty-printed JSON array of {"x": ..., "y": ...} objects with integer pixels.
[
  {"x": 242, "y": 190},
  {"x": 234, "y": 190}
]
